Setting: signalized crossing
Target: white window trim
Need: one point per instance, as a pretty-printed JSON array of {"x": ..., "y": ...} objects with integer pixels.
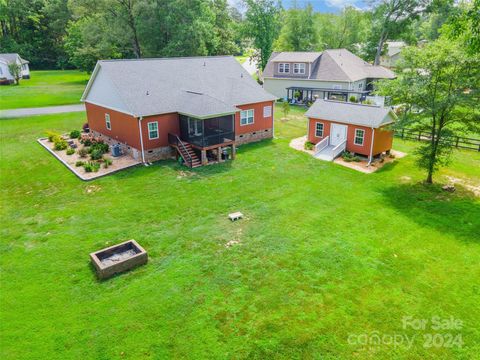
[
  {"x": 270, "y": 111},
  {"x": 148, "y": 128},
  {"x": 108, "y": 122},
  {"x": 286, "y": 68},
  {"x": 253, "y": 117},
  {"x": 355, "y": 137},
  {"x": 299, "y": 68},
  {"x": 323, "y": 129}
]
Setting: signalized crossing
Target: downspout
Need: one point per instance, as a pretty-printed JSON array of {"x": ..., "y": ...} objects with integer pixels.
[
  {"x": 371, "y": 147},
  {"x": 141, "y": 137},
  {"x": 273, "y": 119}
]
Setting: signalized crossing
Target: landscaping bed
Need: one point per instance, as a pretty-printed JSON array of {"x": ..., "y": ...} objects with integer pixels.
[{"x": 86, "y": 156}]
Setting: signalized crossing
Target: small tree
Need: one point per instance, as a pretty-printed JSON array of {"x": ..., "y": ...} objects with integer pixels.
[
  {"x": 16, "y": 71},
  {"x": 285, "y": 109},
  {"x": 438, "y": 84}
]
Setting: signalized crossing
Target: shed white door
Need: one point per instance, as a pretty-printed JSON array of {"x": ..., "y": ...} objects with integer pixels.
[{"x": 338, "y": 134}]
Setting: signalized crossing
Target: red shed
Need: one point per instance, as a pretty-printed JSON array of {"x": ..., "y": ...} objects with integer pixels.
[{"x": 336, "y": 126}]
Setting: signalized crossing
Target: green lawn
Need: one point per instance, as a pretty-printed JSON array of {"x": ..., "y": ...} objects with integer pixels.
[
  {"x": 241, "y": 59},
  {"x": 325, "y": 253},
  {"x": 45, "y": 88}
]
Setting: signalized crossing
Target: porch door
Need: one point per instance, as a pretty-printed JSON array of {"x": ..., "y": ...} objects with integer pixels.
[{"x": 338, "y": 134}]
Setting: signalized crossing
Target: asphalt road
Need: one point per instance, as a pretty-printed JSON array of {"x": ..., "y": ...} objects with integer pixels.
[{"x": 41, "y": 111}]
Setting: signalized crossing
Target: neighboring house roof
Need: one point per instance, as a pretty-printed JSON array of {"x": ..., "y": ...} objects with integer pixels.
[
  {"x": 330, "y": 65},
  {"x": 196, "y": 86},
  {"x": 12, "y": 57},
  {"x": 394, "y": 47},
  {"x": 292, "y": 56},
  {"x": 351, "y": 113}
]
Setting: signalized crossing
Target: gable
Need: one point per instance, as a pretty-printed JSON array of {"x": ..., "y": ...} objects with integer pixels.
[{"x": 102, "y": 92}]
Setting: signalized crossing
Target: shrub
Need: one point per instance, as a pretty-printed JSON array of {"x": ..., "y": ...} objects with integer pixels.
[
  {"x": 353, "y": 99},
  {"x": 74, "y": 134},
  {"x": 96, "y": 154},
  {"x": 107, "y": 162},
  {"x": 100, "y": 145},
  {"x": 91, "y": 166},
  {"x": 346, "y": 156},
  {"x": 79, "y": 163},
  {"x": 309, "y": 145},
  {"x": 60, "y": 144},
  {"x": 83, "y": 152},
  {"x": 52, "y": 136},
  {"x": 70, "y": 151}
]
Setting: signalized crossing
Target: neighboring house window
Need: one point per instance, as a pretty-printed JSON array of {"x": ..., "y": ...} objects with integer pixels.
[
  {"x": 108, "y": 124},
  {"x": 319, "y": 129},
  {"x": 153, "y": 130},
  {"x": 246, "y": 117},
  {"x": 283, "y": 68},
  {"x": 1, "y": 71},
  {"x": 267, "y": 111},
  {"x": 299, "y": 68},
  {"x": 337, "y": 87},
  {"x": 359, "y": 136},
  {"x": 360, "y": 86}
]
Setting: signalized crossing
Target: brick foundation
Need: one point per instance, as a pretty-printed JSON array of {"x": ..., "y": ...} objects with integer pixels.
[
  {"x": 160, "y": 153},
  {"x": 254, "y": 136}
]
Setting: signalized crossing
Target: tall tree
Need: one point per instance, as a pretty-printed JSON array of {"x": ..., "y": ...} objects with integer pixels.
[
  {"x": 465, "y": 25},
  {"x": 390, "y": 18},
  {"x": 298, "y": 32},
  {"x": 262, "y": 25},
  {"x": 440, "y": 81}
]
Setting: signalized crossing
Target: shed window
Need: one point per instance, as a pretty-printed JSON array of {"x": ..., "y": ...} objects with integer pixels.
[
  {"x": 246, "y": 117},
  {"x": 359, "y": 136},
  {"x": 108, "y": 124},
  {"x": 319, "y": 129},
  {"x": 299, "y": 68},
  {"x": 283, "y": 68},
  {"x": 267, "y": 111},
  {"x": 153, "y": 130}
]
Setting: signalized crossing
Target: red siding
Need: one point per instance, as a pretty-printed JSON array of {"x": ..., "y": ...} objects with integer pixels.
[
  {"x": 124, "y": 126},
  {"x": 359, "y": 149},
  {"x": 259, "y": 122},
  {"x": 167, "y": 123}
]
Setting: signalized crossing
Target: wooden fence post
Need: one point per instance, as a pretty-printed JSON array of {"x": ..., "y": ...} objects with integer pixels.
[{"x": 456, "y": 143}]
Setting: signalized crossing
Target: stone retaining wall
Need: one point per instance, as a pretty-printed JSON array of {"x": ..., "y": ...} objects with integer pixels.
[{"x": 254, "y": 136}]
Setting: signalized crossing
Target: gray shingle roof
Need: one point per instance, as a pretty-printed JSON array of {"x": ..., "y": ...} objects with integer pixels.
[
  {"x": 333, "y": 65},
  {"x": 292, "y": 56},
  {"x": 12, "y": 57},
  {"x": 351, "y": 113},
  {"x": 199, "y": 86}
]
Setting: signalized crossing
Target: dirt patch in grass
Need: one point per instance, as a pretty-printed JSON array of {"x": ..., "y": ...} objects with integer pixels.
[{"x": 468, "y": 185}]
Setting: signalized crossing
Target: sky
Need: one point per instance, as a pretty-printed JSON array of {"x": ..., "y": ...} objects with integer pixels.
[{"x": 326, "y": 6}]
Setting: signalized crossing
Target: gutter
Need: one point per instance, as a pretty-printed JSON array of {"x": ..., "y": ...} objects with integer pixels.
[
  {"x": 141, "y": 137},
  {"x": 371, "y": 147}
]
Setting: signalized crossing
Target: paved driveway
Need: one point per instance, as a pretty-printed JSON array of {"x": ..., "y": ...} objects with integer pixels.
[{"x": 41, "y": 111}]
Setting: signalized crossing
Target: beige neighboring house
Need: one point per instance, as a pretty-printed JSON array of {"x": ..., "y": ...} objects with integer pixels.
[
  {"x": 331, "y": 74},
  {"x": 393, "y": 54},
  {"x": 5, "y": 76}
]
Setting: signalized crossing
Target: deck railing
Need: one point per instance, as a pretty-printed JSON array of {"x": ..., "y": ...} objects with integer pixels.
[
  {"x": 322, "y": 145},
  {"x": 337, "y": 150}
]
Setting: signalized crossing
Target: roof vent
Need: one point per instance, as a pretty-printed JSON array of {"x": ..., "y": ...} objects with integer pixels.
[
  {"x": 204, "y": 63},
  {"x": 147, "y": 93},
  {"x": 241, "y": 75}
]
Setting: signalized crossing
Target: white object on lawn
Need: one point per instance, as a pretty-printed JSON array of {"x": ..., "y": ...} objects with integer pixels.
[{"x": 235, "y": 216}]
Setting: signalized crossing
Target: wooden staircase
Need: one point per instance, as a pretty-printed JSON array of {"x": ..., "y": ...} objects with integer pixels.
[
  {"x": 187, "y": 153},
  {"x": 185, "y": 150}
]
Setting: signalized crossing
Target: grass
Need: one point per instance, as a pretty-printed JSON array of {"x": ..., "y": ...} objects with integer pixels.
[
  {"x": 325, "y": 253},
  {"x": 241, "y": 59},
  {"x": 45, "y": 88}
]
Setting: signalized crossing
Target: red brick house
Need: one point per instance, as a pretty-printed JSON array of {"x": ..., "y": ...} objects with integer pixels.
[
  {"x": 337, "y": 126},
  {"x": 193, "y": 107}
]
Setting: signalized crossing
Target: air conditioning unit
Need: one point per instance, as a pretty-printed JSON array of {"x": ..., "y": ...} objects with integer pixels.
[{"x": 116, "y": 150}]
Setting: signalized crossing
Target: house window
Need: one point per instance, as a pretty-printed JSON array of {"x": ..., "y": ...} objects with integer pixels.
[
  {"x": 359, "y": 137},
  {"x": 360, "y": 86},
  {"x": 337, "y": 87},
  {"x": 267, "y": 111},
  {"x": 319, "y": 129},
  {"x": 246, "y": 117},
  {"x": 299, "y": 68},
  {"x": 283, "y": 68},
  {"x": 153, "y": 130},
  {"x": 108, "y": 124}
]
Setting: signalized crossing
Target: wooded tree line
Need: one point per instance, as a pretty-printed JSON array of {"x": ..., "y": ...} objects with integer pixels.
[{"x": 76, "y": 33}]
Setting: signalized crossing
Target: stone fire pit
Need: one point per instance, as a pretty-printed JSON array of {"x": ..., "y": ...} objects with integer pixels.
[{"x": 118, "y": 258}]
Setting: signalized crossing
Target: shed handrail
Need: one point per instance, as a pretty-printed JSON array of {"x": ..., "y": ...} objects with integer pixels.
[
  {"x": 339, "y": 148},
  {"x": 322, "y": 145}
]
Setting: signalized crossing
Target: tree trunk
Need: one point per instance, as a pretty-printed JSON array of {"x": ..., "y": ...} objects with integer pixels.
[{"x": 381, "y": 41}]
